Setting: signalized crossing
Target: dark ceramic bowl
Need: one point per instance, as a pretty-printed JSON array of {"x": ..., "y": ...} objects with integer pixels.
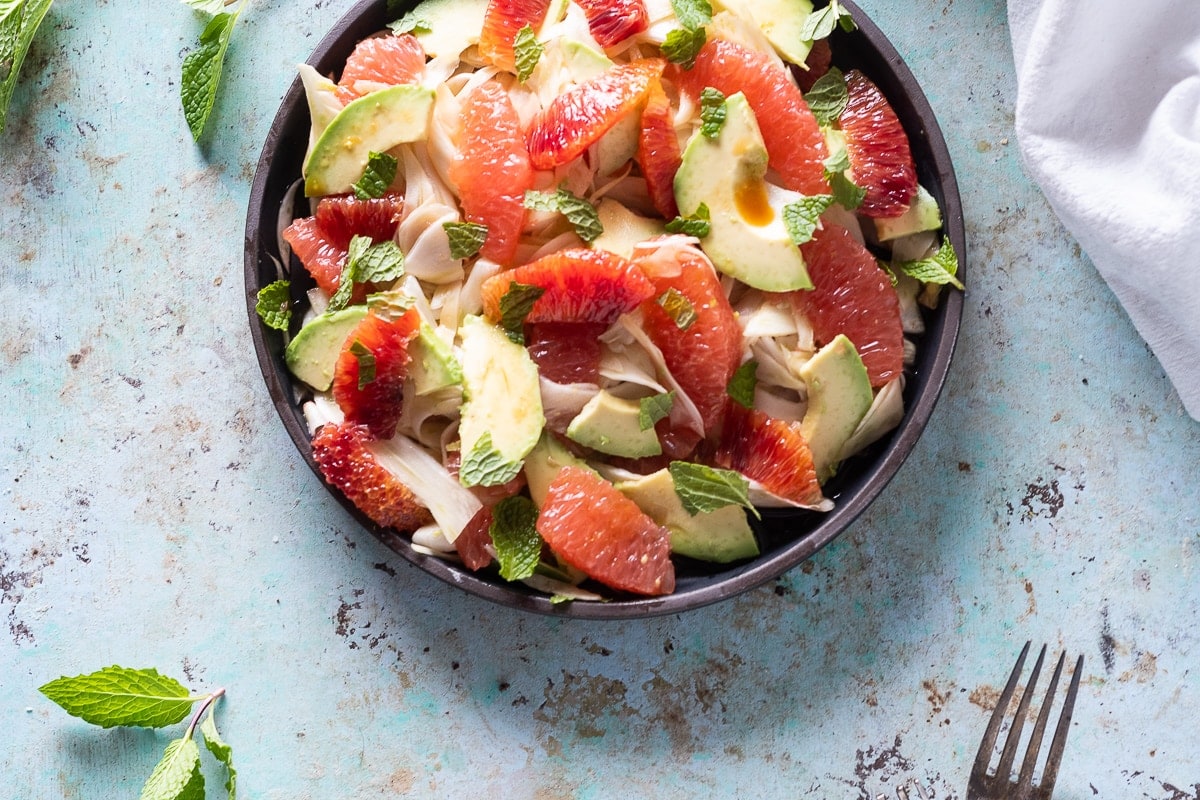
[{"x": 787, "y": 537}]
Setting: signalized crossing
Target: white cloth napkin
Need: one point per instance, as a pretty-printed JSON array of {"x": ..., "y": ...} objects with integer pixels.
[{"x": 1108, "y": 123}]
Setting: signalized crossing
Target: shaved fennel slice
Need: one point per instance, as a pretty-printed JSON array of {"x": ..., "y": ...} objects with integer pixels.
[
  {"x": 885, "y": 413},
  {"x": 761, "y": 497},
  {"x": 451, "y": 503},
  {"x": 779, "y": 407},
  {"x": 560, "y": 588},
  {"x": 762, "y": 316},
  {"x": 424, "y": 417},
  {"x": 562, "y": 402},
  {"x": 422, "y": 184},
  {"x": 430, "y": 539},
  {"x": 684, "y": 413},
  {"x": 470, "y": 297},
  {"x": 846, "y": 219},
  {"x": 320, "y": 410},
  {"x": 426, "y": 246},
  {"x": 323, "y": 104},
  {"x": 778, "y": 366}
]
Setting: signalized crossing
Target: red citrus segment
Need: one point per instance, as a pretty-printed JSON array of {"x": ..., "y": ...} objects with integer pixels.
[
  {"x": 880, "y": 159},
  {"x": 795, "y": 144},
  {"x": 389, "y": 60},
  {"x": 383, "y": 345},
  {"x": 566, "y": 352},
  {"x": 598, "y": 530},
  {"x": 577, "y": 118},
  {"x": 342, "y": 455},
  {"x": 500, "y": 25},
  {"x": 820, "y": 59},
  {"x": 580, "y": 285},
  {"x": 770, "y": 451},
  {"x": 613, "y": 21},
  {"x": 472, "y": 541},
  {"x": 704, "y": 356},
  {"x": 853, "y": 296},
  {"x": 321, "y": 241},
  {"x": 491, "y": 170},
  {"x": 658, "y": 151}
]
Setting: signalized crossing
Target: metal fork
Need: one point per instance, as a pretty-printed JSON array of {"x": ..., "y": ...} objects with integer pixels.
[{"x": 1000, "y": 785}]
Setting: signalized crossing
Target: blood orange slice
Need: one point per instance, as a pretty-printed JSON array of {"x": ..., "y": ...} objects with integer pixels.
[
  {"x": 853, "y": 296},
  {"x": 501, "y": 22},
  {"x": 342, "y": 455},
  {"x": 880, "y": 159},
  {"x": 596, "y": 529},
  {"x": 321, "y": 241},
  {"x": 820, "y": 58},
  {"x": 577, "y": 118},
  {"x": 795, "y": 144},
  {"x": 381, "y": 60},
  {"x": 368, "y": 379},
  {"x": 566, "y": 352},
  {"x": 613, "y": 21},
  {"x": 658, "y": 151},
  {"x": 473, "y": 541},
  {"x": 770, "y": 451},
  {"x": 703, "y": 355},
  {"x": 580, "y": 285},
  {"x": 492, "y": 171}
]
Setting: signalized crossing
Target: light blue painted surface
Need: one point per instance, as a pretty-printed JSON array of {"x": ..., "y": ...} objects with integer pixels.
[{"x": 154, "y": 513}]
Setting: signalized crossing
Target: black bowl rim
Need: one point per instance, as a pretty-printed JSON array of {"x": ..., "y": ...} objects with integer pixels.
[{"x": 937, "y": 347}]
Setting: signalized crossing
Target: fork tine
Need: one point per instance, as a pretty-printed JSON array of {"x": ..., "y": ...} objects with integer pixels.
[
  {"x": 993, "y": 729},
  {"x": 1059, "y": 743},
  {"x": 1025, "y": 780},
  {"x": 1004, "y": 770}
]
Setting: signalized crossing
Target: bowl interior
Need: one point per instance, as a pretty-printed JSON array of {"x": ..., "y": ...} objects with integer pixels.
[{"x": 787, "y": 537}]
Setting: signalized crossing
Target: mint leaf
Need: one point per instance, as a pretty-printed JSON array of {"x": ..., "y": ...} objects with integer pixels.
[
  {"x": 177, "y": 776},
  {"x": 485, "y": 466},
  {"x": 701, "y": 488},
  {"x": 828, "y": 97},
  {"x": 380, "y": 263},
  {"x": 821, "y": 22},
  {"x": 466, "y": 238},
  {"x": 692, "y": 14},
  {"x": 220, "y": 750},
  {"x": 698, "y": 224},
  {"x": 527, "y": 51},
  {"x": 845, "y": 192},
  {"x": 540, "y": 201},
  {"x": 19, "y": 21},
  {"x": 207, "y": 6},
  {"x": 201, "y": 73},
  {"x": 366, "y": 363},
  {"x": 515, "y": 306},
  {"x": 838, "y": 161},
  {"x": 940, "y": 268},
  {"x": 390, "y": 305},
  {"x": 653, "y": 408},
  {"x": 678, "y": 308},
  {"x": 121, "y": 696},
  {"x": 273, "y": 304},
  {"x": 741, "y": 386},
  {"x": 712, "y": 112},
  {"x": 681, "y": 46},
  {"x": 514, "y": 534},
  {"x": 801, "y": 217},
  {"x": 409, "y": 23},
  {"x": 581, "y": 214},
  {"x": 377, "y": 177}
]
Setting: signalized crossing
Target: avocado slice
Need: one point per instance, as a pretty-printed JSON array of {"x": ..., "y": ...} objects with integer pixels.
[
  {"x": 612, "y": 425},
  {"x": 781, "y": 21},
  {"x": 373, "y": 123},
  {"x": 502, "y": 405},
  {"x": 748, "y": 238},
  {"x": 623, "y": 229},
  {"x": 543, "y": 464},
  {"x": 312, "y": 355},
  {"x": 433, "y": 364},
  {"x": 722, "y": 536},
  {"x": 839, "y": 394},
  {"x": 449, "y": 26},
  {"x": 923, "y": 215}
]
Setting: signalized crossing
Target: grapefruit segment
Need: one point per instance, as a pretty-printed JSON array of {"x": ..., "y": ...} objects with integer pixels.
[
  {"x": 795, "y": 144},
  {"x": 580, "y": 285},
  {"x": 851, "y": 295},
  {"x": 368, "y": 379},
  {"x": 880, "y": 158},
  {"x": 341, "y": 453},
  {"x": 770, "y": 451},
  {"x": 566, "y": 352},
  {"x": 578, "y": 118},
  {"x": 501, "y": 22},
  {"x": 381, "y": 60},
  {"x": 598, "y": 530},
  {"x": 491, "y": 170},
  {"x": 658, "y": 151}
]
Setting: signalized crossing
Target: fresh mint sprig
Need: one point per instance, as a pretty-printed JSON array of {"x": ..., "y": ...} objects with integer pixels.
[
  {"x": 828, "y": 97},
  {"x": 579, "y": 212},
  {"x": 466, "y": 238},
  {"x": 515, "y": 305},
  {"x": 743, "y": 383},
  {"x": 653, "y": 408},
  {"x": 201, "y": 73},
  {"x": 940, "y": 268},
  {"x": 712, "y": 112},
  {"x": 515, "y": 537},
  {"x": 802, "y": 217},
  {"x": 527, "y": 51},
  {"x": 19, "y": 21},
  {"x": 820, "y": 23},
  {"x": 682, "y": 45},
  {"x": 120, "y": 696},
  {"x": 703, "y": 488},
  {"x": 698, "y": 224},
  {"x": 273, "y": 305},
  {"x": 377, "y": 177}
]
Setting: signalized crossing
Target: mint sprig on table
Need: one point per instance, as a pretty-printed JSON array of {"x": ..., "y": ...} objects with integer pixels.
[
  {"x": 120, "y": 696},
  {"x": 19, "y": 21},
  {"x": 201, "y": 73}
]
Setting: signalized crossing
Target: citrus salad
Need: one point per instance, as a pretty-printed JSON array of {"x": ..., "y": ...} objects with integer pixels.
[{"x": 597, "y": 280}]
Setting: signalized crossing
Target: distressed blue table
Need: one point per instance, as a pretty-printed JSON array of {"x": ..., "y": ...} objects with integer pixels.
[{"x": 155, "y": 514}]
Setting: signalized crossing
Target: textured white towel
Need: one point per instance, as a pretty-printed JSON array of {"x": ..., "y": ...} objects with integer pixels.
[{"x": 1108, "y": 122}]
